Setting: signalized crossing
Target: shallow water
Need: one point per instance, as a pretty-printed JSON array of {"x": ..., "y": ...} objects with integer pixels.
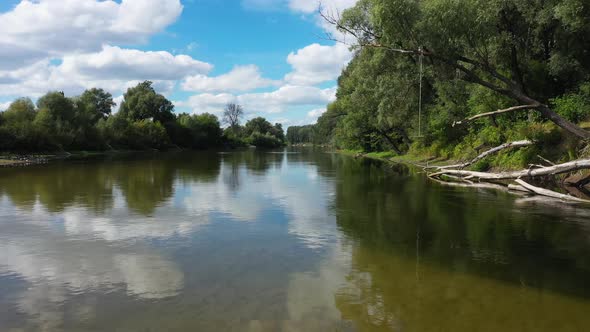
[{"x": 300, "y": 240}]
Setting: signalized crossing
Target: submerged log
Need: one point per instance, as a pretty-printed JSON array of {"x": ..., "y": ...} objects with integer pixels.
[
  {"x": 550, "y": 193},
  {"x": 517, "y": 187}
]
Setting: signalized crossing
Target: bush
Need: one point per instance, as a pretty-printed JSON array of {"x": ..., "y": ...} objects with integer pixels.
[
  {"x": 264, "y": 141},
  {"x": 574, "y": 106}
]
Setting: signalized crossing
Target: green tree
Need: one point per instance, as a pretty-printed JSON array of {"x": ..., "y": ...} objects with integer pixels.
[
  {"x": 96, "y": 104},
  {"x": 60, "y": 108},
  {"x": 143, "y": 102},
  {"x": 203, "y": 129},
  {"x": 526, "y": 51},
  {"x": 258, "y": 124}
]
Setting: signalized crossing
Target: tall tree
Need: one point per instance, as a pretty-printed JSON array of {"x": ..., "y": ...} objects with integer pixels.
[
  {"x": 142, "y": 102},
  {"x": 59, "y": 107},
  {"x": 232, "y": 114},
  {"x": 96, "y": 103}
]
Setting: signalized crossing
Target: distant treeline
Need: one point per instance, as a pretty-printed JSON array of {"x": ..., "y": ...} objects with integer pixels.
[
  {"x": 302, "y": 135},
  {"x": 145, "y": 120}
]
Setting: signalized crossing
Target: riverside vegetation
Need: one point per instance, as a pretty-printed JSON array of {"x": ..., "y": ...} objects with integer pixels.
[
  {"x": 145, "y": 120},
  {"x": 501, "y": 85}
]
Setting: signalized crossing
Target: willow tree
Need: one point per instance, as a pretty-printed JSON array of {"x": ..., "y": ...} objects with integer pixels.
[{"x": 526, "y": 50}]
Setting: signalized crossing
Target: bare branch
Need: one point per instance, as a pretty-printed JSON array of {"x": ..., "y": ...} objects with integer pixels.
[
  {"x": 507, "y": 110},
  {"x": 497, "y": 149},
  {"x": 546, "y": 160}
]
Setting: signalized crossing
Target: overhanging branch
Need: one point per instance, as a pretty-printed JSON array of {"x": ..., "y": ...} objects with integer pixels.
[{"x": 507, "y": 110}]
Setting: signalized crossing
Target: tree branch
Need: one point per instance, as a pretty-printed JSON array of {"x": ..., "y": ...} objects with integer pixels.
[
  {"x": 497, "y": 149},
  {"x": 507, "y": 110}
]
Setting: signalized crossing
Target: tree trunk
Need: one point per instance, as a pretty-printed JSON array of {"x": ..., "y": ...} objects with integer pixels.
[
  {"x": 391, "y": 142},
  {"x": 563, "y": 123},
  {"x": 549, "y": 114}
]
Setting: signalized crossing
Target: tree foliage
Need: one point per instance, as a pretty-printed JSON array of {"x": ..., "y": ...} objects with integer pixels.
[{"x": 478, "y": 56}]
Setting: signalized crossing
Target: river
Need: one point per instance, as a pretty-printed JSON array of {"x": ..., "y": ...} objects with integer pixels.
[{"x": 294, "y": 240}]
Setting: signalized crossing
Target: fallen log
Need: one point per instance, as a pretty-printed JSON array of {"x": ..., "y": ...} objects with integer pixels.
[
  {"x": 517, "y": 187},
  {"x": 517, "y": 144},
  {"x": 479, "y": 185},
  {"x": 550, "y": 193},
  {"x": 550, "y": 170}
]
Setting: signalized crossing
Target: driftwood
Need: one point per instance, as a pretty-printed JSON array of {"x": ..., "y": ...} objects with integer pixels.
[
  {"x": 517, "y": 187},
  {"x": 550, "y": 170},
  {"x": 550, "y": 193},
  {"x": 546, "y": 160},
  {"x": 478, "y": 185},
  {"x": 507, "y": 110},
  {"x": 517, "y": 144},
  {"x": 464, "y": 178}
]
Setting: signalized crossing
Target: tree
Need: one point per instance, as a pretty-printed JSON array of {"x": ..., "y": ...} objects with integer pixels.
[
  {"x": 202, "y": 130},
  {"x": 20, "y": 111},
  {"x": 96, "y": 103},
  {"x": 278, "y": 132},
  {"x": 258, "y": 124},
  {"x": 232, "y": 114},
  {"x": 528, "y": 52},
  {"x": 142, "y": 102},
  {"x": 59, "y": 107}
]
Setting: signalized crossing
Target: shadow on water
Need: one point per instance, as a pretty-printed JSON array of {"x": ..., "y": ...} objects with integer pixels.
[
  {"x": 432, "y": 258},
  {"x": 485, "y": 233}
]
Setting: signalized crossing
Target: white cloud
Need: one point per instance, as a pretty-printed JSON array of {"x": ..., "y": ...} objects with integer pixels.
[
  {"x": 329, "y": 7},
  {"x": 289, "y": 95},
  {"x": 35, "y": 30},
  {"x": 240, "y": 78},
  {"x": 114, "y": 69},
  {"x": 127, "y": 64},
  {"x": 4, "y": 106},
  {"x": 317, "y": 63},
  {"x": 316, "y": 113},
  {"x": 267, "y": 102},
  {"x": 66, "y": 45},
  {"x": 207, "y": 102}
]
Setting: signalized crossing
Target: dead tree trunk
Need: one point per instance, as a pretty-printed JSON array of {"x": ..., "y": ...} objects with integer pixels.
[
  {"x": 550, "y": 193},
  {"x": 551, "y": 170}
]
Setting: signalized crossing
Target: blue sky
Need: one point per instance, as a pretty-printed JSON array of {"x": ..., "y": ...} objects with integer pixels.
[{"x": 268, "y": 55}]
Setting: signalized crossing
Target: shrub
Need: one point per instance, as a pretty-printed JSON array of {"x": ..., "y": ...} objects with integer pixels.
[{"x": 264, "y": 141}]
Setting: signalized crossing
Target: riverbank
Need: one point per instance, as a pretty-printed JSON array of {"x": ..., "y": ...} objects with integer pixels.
[
  {"x": 29, "y": 159},
  {"x": 413, "y": 160},
  {"x": 567, "y": 182}
]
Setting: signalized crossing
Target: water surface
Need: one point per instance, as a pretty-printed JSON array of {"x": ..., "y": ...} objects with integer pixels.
[{"x": 295, "y": 240}]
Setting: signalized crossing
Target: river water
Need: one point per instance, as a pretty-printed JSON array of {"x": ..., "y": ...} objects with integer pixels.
[{"x": 294, "y": 240}]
